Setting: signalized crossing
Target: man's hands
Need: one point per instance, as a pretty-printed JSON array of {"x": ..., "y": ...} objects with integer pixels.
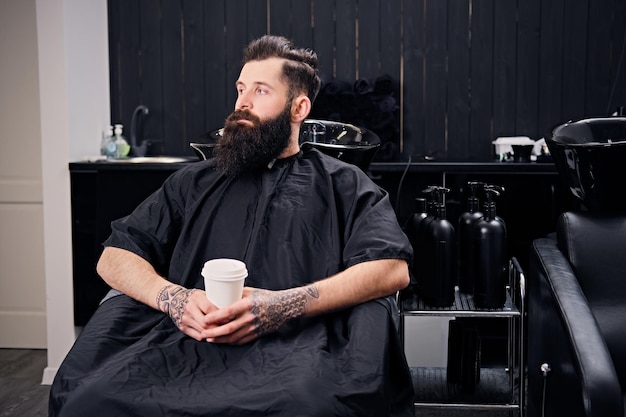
[
  {"x": 258, "y": 312},
  {"x": 186, "y": 308}
]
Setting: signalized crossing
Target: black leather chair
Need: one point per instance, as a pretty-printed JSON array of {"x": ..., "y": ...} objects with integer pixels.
[{"x": 577, "y": 317}]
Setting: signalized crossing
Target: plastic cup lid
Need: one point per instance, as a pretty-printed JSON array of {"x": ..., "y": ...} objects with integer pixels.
[{"x": 225, "y": 269}]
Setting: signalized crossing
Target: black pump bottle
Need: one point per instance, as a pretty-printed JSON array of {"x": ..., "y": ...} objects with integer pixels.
[
  {"x": 465, "y": 241},
  {"x": 437, "y": 273},
  {"x": 413, "y": 226},
  {"x": 414, "y": 229},
  {"x": 490, "y": 261}
]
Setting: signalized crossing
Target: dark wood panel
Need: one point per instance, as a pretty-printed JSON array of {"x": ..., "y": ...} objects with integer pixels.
[
  {"x": 527, "y": 80},
  {"x": 599, "y": 76},
  {"x": 115, "y": 67},
  {"x": 464, "y": 71},
  {"x": 574, "y": 60},
  {"x": 236, "y": 40},
  {"x": 324, "y": 37},
  {"x": 458, "y": 92},
  {"x": 216, "y": 82},
  {"x": 368, "y": 48},
  {"x": 551, "y": 70},
  {"x": 504, "y": 68},
  {"x": 390, "y": 35},
  {"x": 173, "y": 77},
  {"x": 302, "y": 28},
  {"x": 257, "y": 19},
  {"x": 412, "y": 79},
  {"x": 618, "y": 61},
  {"x": 481, "y": 73},
  {"x": 128, "y": 45},
  {"x": 193, "y": 72},
  {"x": 280, "y": 18},
  {"x": 151, "y": 57},
  {"x": 435, "y": 28},
  {"x": 390, "y": 44},
  {"x": 345, "y": 44}
]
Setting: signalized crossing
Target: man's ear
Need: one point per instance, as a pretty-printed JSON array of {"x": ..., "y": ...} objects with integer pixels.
[{"x": 300, "y": 108}]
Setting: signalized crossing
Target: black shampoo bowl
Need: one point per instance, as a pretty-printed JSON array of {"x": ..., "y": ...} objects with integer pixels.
[
  {"x": 344, "y": 141},
  {"x": 590, "y": 156}
]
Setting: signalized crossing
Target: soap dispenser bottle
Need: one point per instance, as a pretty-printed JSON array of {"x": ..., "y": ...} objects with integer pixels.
[
  {"x": 107, "y": 136},
  {"x": 111, "y": 146},
  {"x": 465, "y": 227},
  {"x": 412, "y": 227},
  {"x": 490, "y": 261},
  {"x": 438, "y": 273},
  {"x": 414, "y": 230},
  {"x": 122, "y": 146},
  {"x": 431, "y": 211},
  {"x": 421, "y": 258}
]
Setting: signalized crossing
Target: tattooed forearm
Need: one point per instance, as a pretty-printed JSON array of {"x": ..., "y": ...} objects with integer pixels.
[
  {"x": 172, "y": 300},
  {"x": 273, "y": 309},
  {"x": 312, "y": 291}
]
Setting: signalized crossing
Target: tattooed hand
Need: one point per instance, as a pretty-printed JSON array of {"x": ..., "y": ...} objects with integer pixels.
[
  {"x": 259, "y": 312},
  {"x": 272, "y": 309},
  {"x": 172, "y": 300}
]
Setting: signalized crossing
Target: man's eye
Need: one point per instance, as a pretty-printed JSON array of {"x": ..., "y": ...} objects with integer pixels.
[
  {"x": 261, "y": 91},
  {"x": 240, "y": 91}
]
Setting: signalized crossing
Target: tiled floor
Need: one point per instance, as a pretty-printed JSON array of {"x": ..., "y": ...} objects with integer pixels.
[{"x": 21, "y": 392}]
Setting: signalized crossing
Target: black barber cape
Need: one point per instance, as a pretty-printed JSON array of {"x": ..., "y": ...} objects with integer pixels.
[{"x": 305, "y": 218}]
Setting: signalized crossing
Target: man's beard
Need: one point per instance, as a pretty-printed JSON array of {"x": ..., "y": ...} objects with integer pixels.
[{"x": 245, "y": 147}]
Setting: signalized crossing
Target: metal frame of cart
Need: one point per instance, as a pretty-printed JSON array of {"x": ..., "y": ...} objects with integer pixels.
[{"x": 513, "y": 311}]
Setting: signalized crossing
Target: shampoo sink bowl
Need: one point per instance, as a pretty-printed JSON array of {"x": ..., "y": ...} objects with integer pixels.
[{"x": 590, "y": 155}]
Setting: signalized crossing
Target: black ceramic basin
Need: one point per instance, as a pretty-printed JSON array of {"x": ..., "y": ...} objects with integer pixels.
[
  {"x": 204, "y": 144},
  {"x": 590, "y": 155},
  {"x": 344, "y": 141},
  {"x": 203, "y": 150}
]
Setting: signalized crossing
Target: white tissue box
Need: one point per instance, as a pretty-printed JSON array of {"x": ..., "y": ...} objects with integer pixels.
[{"x": 503, "y": 145}]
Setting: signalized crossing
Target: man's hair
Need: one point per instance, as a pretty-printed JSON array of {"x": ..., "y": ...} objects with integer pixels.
[{"x": 300, "y": 69}]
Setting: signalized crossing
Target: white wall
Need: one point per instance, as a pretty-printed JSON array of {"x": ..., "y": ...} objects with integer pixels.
[
  {"x": 74, "y": 105},
  {"x": 22, "y": 284},
  {"x": 426, "y": 341}
]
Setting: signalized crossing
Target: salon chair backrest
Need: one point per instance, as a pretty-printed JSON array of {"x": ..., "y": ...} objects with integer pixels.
[{"x": 595, "y": 245}]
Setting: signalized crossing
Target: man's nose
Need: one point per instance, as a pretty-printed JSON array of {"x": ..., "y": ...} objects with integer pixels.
[{"x": 243, "y": 102}]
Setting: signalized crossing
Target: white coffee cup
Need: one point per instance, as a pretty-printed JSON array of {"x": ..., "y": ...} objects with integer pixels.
[{"x": 223, "y": 280}]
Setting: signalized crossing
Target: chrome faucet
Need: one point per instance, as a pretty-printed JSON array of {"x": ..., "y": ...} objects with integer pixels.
[{"x": 138, "y": 146}]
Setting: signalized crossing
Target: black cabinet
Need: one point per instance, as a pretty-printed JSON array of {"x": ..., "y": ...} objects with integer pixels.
[{"x": 102, "y": 192}]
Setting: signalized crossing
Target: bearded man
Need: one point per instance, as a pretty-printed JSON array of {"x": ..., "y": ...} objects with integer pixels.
[{"x": 314, "y": 333}]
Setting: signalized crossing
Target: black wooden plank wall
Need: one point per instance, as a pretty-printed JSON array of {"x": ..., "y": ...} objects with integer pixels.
[{"x": 465, "y": 71}]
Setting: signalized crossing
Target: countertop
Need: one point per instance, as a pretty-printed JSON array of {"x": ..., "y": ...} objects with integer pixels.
[{"x": 375, "y": 167}]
